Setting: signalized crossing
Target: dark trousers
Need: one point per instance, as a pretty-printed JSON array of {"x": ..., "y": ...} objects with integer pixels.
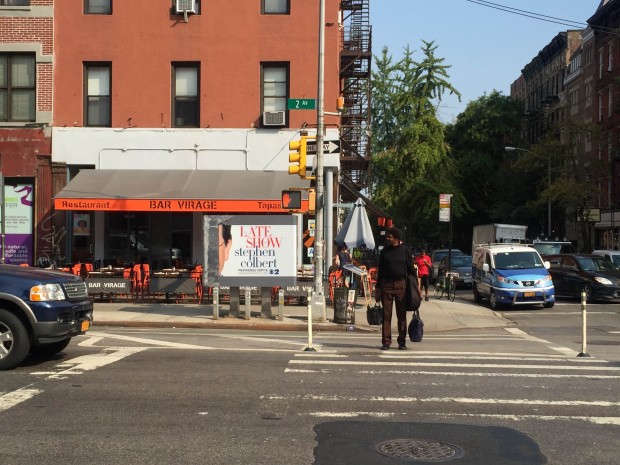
[{"x": 393, "y": 291}]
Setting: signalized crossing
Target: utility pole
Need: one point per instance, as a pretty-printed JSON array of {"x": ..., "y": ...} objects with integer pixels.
[{"x": 318, "y": 300}]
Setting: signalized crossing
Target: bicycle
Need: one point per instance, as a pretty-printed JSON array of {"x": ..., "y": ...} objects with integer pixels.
[{"x": 445, "y": 285}]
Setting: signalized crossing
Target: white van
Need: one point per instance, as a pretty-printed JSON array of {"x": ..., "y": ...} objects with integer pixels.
[
  {"x": 612, "y": 255},
  {"x": 510, "y": 274}
]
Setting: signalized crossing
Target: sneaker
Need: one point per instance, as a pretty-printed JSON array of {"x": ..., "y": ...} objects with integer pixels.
[
  {"x": 426, "y": 298},
  {"x": 385, "y": 347},
  {"x": 402, "y": 347}
]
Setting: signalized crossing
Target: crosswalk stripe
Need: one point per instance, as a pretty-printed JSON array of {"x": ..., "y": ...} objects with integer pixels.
[
  {"x": 455, "y": 400},
  {"x": 458, "y": 365},
  {"x": 458, "y": 373}
]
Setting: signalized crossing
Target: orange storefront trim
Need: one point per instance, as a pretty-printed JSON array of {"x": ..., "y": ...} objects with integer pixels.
[{"x": 175, "y": 205}]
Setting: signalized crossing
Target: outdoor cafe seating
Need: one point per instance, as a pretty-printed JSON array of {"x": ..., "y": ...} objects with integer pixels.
[{"x": 139, "y": 283}]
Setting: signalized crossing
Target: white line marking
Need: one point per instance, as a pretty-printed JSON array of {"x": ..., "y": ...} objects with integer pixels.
[
  {"x": 460, "y": 365},
  {"x": 309, "y": 354},
  {"x": 457, "y": 400},
  {"x": 465, "y": 357},
  {"x": 90, "y": 341},
  {"x": 348, "y": 414},
  {"x": 595, "y": 420},
  {"x": 11, "y": 399},
  {"x": 456, "y": 373},
  {"x": 529, "y": 337}
]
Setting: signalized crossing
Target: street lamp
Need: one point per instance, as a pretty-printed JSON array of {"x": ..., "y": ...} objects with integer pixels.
[{"x": 512, "y": 149}]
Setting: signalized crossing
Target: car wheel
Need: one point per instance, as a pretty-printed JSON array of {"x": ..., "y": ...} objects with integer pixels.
[
  {"x": 14, "y": 342},
  {"x": 477, "y": 296},
  {"x": 493, "y": 301},
  {"x": 45, "y": 350},
  {"x": 548, "y": 304}
]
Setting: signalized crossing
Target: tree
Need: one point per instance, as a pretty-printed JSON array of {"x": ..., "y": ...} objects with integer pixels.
[
  {"x": 478, "y": 140},
  {"x": 410, "y": 155},
  {"x": 570, "y": 177}
]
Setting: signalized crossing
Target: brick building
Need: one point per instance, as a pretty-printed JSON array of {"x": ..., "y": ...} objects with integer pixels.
[{"x": 26, "y": 72}]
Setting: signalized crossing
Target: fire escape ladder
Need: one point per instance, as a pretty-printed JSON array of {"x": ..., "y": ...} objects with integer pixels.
[{"x": 355, "y": 73}]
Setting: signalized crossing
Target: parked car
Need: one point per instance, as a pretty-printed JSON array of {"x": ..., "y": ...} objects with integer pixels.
[
  {"x": 552, "y": 247},
  {"x": 40, "y": 311},
  {"x": 511, "y": 275},
  {"x": 612, "y": 255},
  {"x": 436, "y": 257},
  {"x": 460, "y": 264},
  {"x": 598, "y": 277}
]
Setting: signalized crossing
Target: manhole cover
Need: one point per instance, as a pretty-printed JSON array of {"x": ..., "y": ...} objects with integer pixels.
[{"x": 419, "y": 449}]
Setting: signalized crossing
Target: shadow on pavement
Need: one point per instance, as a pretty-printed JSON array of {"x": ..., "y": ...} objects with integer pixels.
[{"x": 376, "y": 443}]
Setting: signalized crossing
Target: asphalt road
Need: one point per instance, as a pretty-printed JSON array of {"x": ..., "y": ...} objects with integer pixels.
[{"x": 503, "y": 396}]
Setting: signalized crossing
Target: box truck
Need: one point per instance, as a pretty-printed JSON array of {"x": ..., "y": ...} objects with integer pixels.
[{"x": 497, "y": 233}]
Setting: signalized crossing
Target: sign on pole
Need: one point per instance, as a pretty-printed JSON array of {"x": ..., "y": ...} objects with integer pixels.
[
  {"x": 445, "y": 201},
  {"x": 301, "y": 104},
  {"x": 329, "y": 146}
]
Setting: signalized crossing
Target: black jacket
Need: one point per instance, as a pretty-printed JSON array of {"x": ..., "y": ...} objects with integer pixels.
[{"x": 394, "y": 262}]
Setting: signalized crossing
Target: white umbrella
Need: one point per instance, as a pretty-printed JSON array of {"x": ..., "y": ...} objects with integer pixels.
[{"x": 356, "y": 230}]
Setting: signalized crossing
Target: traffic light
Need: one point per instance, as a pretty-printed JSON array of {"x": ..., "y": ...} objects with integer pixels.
[{"x": 298, "y": 156}]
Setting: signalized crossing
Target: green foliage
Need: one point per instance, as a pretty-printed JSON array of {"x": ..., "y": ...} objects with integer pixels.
[{"x": 411, "y": 165}]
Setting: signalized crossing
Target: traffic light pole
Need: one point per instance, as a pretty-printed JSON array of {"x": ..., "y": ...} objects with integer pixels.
[{"x": 318, "y": 300}]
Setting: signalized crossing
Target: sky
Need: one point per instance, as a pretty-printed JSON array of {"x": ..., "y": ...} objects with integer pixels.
[{"x": 486, "y": 47}]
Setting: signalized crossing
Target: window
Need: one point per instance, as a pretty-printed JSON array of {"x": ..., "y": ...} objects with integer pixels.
[
  {"x": 275, "y": 7},
  {"x": 98, "y": 7},
  {"x": 588, "y": 90},
  {"x": 574, "y": 103},
  {"x": 14, "y": 2},
  {"x": 17, "y": 88},
  {"x": 610, "y": 58},
  {"x": 185, "y": 101},
  {"x": 97, "y": 95},
  {"x": 275, "y": 87},
  {"x": 610, "y": 102}
]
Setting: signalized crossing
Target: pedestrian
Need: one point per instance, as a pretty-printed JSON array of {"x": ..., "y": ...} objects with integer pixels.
[
  {"x": 344, "y": 256},
  {"x": 394, "y": 263},
  {"x": 423, "y": 262}
]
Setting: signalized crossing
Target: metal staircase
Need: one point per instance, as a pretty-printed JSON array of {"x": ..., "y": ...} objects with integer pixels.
[{"x": 355, "y": 62}]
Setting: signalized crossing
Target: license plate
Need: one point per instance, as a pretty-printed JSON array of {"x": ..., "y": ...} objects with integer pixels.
[
  {"x": 529, "y": 294},
  {"x": 85, "y": 325}
]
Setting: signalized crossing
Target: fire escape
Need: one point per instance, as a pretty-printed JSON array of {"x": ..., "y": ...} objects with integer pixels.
[{"x": 355, "y": 62}]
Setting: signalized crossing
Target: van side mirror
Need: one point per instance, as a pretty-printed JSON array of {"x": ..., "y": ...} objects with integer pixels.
[
  {"x": 547, "y": 264},
  {"x": 485, "y": 267}
]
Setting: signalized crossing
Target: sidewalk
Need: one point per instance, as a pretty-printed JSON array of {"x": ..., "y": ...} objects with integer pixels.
[{"x": 438, "y": 315}]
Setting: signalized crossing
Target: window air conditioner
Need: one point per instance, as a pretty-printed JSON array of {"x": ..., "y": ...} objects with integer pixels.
[
  {"x": 183, "y": 6},
  {"x": 274, "y": 118}
]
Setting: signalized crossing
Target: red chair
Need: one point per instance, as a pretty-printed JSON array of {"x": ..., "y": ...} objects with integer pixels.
[
  {"x": 335, "y": 280},
  {"x": 146, "y": 278},
  {"x": 372, "y": 279},
  {"x": 196, "y": 275},
  {"x": 136, "y": 281}
]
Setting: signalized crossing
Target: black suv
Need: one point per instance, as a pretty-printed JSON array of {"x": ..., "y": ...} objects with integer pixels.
[{"x": 40, "y": 311}]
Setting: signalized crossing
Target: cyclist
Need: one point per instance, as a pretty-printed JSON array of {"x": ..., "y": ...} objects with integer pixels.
[{"x": 423, "y": 262}]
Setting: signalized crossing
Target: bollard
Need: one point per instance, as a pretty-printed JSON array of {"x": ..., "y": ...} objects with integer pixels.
[
  {"x": 248, "y": 303},
  {"x": 583, "y": 352},
  {"x": 216, "y": 303},
  {"x": 310, "y": 348},
  {"x": 281, "y": 305}
]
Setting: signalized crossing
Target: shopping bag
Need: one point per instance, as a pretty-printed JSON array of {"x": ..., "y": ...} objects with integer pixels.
[
  {"x": 374, "y": 314},
  {"x": 416, "y": 327}
]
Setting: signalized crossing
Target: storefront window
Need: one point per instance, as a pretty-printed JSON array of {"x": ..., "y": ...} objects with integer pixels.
[{"x": 159, "y": 239}]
